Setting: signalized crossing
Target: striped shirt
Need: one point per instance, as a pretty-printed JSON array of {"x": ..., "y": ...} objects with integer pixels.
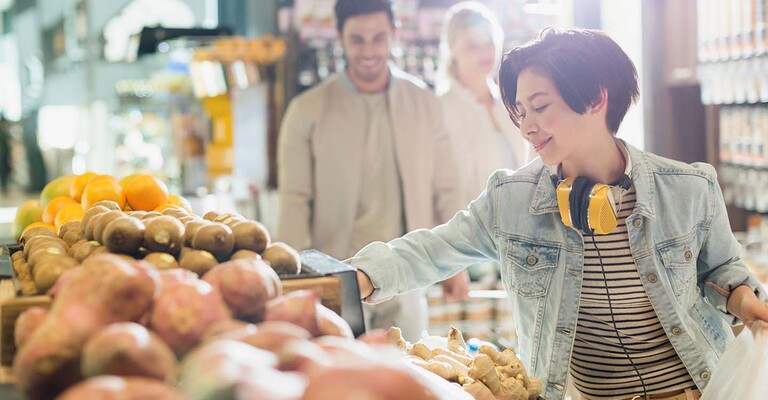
[{"x": 599, "y": 367}]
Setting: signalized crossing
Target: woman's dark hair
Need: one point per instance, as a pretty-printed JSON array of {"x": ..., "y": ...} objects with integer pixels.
[
  {"x": 581, "y": 63},
  {"x": 350, "y": 8}
]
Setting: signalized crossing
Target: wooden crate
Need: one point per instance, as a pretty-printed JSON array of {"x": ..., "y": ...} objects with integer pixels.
[{"x": 9, "y": 311}]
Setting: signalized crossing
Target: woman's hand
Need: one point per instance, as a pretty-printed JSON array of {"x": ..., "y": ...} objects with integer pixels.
[
  {"x": 364, "y": 283},
  {"x": 744, "y": 304}
]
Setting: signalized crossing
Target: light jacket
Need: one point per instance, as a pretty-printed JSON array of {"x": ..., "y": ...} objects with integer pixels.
[
  {"x": 679, "y": 236},
  {"x": 320, "y": 154},
  {"x": 475, "y": 138}
]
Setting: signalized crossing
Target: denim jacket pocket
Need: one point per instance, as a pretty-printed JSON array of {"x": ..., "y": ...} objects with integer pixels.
[
  {"x": 531, "y": 267},
  {"x": 679, "y": 258}
]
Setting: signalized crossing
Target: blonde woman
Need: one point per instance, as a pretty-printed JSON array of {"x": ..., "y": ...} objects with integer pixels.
[{"x": 482, "y": 136}]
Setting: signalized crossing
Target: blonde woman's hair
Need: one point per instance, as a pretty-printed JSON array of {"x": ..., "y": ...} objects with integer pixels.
[{"x": 460, "y": 18}]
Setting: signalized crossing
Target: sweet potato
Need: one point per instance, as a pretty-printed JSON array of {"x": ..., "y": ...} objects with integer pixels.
[
  {"x": 104, "y": 290},
  {"x": 184, "y": 311},
  {"x": 176, "y": 275},
  {"x": 222, "y": 368},
  {"x": 246, "y": 285},
  {"x": 26, "y": 324},
  {"x": 107, "y": 387},
  {"x": 272, "y": 336},
  {"x": 330, "y": 323},
  {"x": 374, "y": 381},
  {"x": 223, "y": 328},
  {"x": 297, "y": 307},
  {"x": 128, "y": 349}
]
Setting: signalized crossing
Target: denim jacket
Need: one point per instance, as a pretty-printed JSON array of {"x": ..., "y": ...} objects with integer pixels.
[{"x": 679, "y": 236}]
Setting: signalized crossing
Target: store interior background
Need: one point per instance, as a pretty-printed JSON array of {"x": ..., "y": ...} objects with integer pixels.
[{"x": 72, "y": 83}]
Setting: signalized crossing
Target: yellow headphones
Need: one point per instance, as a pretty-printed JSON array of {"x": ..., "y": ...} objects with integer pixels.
[{"x": 588, "y": 205}]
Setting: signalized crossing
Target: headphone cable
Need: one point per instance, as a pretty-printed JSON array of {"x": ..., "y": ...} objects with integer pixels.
[{"x": 613, "y": 320}]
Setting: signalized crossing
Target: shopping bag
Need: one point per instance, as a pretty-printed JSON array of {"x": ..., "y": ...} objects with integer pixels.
[{"x": 742, "y": 372}]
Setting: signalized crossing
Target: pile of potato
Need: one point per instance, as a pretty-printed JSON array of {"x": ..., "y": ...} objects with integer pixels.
[
  {"x": 169, "y": 239},
  {"x": 489, "y": 375}
]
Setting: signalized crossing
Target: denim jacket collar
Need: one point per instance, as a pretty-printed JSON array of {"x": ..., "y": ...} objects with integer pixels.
[{"x": 545, "y": 197}]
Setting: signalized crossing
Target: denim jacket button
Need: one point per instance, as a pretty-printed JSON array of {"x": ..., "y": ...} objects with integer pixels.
[
  {"x": 638, "y": 223},
  {"x": 705, "y": 375},
  {"x": 531, "y": 260},
  {"x": 676, "y": 331},
  {"x": 688, "y": 255},
  {"x": 652, "y": 278}
]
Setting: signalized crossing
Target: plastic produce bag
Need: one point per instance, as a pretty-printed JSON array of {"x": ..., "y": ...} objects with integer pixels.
[{"x": 742, "y": 372}]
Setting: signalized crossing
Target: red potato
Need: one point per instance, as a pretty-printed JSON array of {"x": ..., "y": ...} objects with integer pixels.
[
  {"x": 303, "y": 356},
  {"x": 297, "y": 307},
  {"x": 374, "y": 381},
  {"x": 229, "y": 369},
  {"x": 246, "y": 285},
  {"x": 26, "y": 324},
  {"x": 107, "y": 387},
  {"x": 54, "y": 290},
  {"x": 184, "y": 311},
  {"x": 330, "y": 323},
  {"x": 105, "y": 289},
  {"x": 271, "y": 336},
  {"x": 128, "y": 349}
]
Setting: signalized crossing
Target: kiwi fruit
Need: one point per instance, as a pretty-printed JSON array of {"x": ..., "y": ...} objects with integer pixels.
[
  {"x": 84, "y": 250},
  {"x": 210, "y": 215},
  {"x": 229, "y": 219},
  {"x": 109, "y": 204},
  {"x": 123, "y": 235},
  {"x": 19, "y": 255},
  {"x": 73, "y": 236},
  {"x": 191, "y": 228},
  {"x": 165, "y": 234},
  {"x": 35, "y": 232},
  {"x": 175, "y": 212},
  {"x": 137, "y": 214},
  {"x": 245, "y": 254},
  {"x": 161, "y": 261},
  {"x": 21, "y": 268},
  {"x": 71, "y": 225},
  {"x": 73, "y": 248},
  {"x": 215, "y": 238},
  {"x": 28, "y": 287},
  {"x": 282, "y": 258},
  {"x": 197, "y": 261},
  {"x": 33, "y": 243},
  {"x": 142, "y": 252},
  {"x": 250, "y": 235},
  {"x": 103, "y": 249},
  {"x": 49, "y": 269},
  {"x": 151, "y": 214},
  {"x": 48, "y": 249},
  {"x": 100, "y": 222},
  {"x": 92, "y": 212}
]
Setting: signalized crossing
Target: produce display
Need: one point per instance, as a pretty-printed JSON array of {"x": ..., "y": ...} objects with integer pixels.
[
  {"x": 149, "y": 300},
  {"x": 80, "y": 216}
]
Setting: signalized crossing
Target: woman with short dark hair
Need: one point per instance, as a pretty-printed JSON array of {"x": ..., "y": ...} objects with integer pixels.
[{"x": 621, "y": 266}]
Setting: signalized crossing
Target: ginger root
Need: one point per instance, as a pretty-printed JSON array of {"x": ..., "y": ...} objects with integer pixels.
[
  {"x": 456, "y": 342},
  {"x": 396, "y": 337},
  {"x": 479, "y": 391},
  {"x": 484, "y": 370}
]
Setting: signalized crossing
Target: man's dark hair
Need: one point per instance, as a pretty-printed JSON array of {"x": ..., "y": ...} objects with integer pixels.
[
  {"x": 581, "y": 63},
  {"x": 350, "y": 8}
]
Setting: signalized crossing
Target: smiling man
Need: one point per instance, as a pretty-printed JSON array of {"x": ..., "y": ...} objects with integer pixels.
[{"x": 364, "y": 157}]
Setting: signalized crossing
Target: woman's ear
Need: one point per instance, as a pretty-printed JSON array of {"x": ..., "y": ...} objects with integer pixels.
[{"x": 601, "y": 104}]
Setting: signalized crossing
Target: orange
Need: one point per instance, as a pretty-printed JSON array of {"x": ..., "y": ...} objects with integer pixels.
[
  {"x": 145, "y": 193},
  {"x": 180, "y": 201},
  {"x": 55, "y": 188},
  {"x": 163, "y": 207},
  {"x": 29, "y": 212},
  {"x": 98, "y": 179},
  {"x": 68, "y": 213},
  {"x": 77, "y": 185},
  {"x": 102, "y": 190},
  {"x": 54, "y": 206},
  {"x": 39, "y": 224},
  {"x": 128, "y": 179}
]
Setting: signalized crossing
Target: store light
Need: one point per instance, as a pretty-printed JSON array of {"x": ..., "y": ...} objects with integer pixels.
[
  {"x": 58, "y": 127},
  {"x": 540, "y": 8}
]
